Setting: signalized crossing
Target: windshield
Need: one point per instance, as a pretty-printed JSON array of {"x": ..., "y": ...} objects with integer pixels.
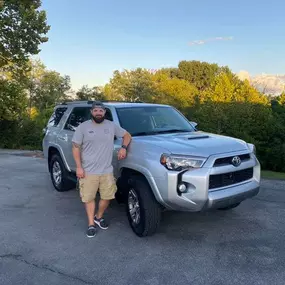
[{"x": 152, "y": 120}]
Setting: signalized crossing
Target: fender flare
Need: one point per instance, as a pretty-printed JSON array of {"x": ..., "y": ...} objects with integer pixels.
[
  {"x": 149, "y": 178},
  {"x": 59, "y": 150}
]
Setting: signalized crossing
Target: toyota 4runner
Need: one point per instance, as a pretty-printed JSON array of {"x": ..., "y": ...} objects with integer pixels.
[{"x": 170, "y": 165}]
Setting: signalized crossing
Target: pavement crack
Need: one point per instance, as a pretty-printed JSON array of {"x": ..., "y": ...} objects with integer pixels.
[{"x": 19, "y": 258}]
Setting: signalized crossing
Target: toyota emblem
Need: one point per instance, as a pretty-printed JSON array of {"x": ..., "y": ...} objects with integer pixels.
[{"x": 236, "y": 161}]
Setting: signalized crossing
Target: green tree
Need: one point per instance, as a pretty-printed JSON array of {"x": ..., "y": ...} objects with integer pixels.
[
  {"x": 44, "y": 88},
  {"x": 281, "y": 99},
  {"x": 86, "y": 93},
  {"x": 13, "y": 100},
  {"x": 200, "y": 74},
  {"x": 23, "y": 28},
  {"x": 171, "y": 72},
  {"x": 173, "y": 91},
  {"x": 49, "y": 90},
  {"x": 227, "y": 87},
  {"x": 134, "y": 85}
]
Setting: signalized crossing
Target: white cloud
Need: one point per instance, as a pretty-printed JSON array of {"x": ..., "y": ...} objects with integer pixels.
[
  {"x": 267, "y": 83},
  {"x": 201, "y": 42}
]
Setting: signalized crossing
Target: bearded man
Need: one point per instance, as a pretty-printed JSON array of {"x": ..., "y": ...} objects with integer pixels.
[{"x": 93, "y": 147}]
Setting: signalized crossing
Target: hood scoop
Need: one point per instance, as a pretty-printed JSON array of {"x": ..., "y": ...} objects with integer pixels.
[{"x": 197, "y": 137}]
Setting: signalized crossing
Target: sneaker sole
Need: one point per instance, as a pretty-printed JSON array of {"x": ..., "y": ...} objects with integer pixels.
[
  {"x": 97, "y": 223},
  {"x": 90, "y": 236}
]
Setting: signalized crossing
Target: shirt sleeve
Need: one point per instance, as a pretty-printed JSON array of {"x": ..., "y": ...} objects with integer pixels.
[
  {"x": 78, "y": 136},
  {"x": 119, "y": 131}
]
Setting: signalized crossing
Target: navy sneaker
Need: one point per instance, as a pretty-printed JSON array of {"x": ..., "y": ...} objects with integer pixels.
[
  {"x": 91, "y": 231},
  {"x": 101, "y": 223}
]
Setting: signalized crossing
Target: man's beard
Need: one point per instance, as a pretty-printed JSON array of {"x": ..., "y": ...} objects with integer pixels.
[{"x": 98, "y": 119}]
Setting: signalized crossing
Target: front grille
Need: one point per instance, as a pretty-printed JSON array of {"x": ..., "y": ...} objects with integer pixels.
[
  {"x": 226, "y": 179},
  {"x": 228, "y": 160}
]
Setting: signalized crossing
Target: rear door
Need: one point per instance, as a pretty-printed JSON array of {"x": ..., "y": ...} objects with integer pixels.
[{"x": 52, "y": 128}]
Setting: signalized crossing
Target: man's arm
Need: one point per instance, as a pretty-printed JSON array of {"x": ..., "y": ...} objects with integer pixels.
[
  {"x": 120, "y": 132},
  {"x": 76, "y": 151},
  {"x": 126, "y": 139}
]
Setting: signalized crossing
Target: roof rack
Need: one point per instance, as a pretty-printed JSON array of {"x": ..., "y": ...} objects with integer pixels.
[
  {"x": 115, "y": 101},
  {"x": 91, "y": 101}
]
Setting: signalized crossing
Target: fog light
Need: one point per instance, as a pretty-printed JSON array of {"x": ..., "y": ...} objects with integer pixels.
[{"x": 182, "y": 188}]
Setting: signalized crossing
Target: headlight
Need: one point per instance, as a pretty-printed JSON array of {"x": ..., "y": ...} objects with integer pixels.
[
  {"x": 251, "y": 147},
  {"x": 178, "y": 163}
]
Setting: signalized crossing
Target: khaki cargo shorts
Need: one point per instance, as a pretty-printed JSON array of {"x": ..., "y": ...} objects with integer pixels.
[{"x": 92, "y": 183}]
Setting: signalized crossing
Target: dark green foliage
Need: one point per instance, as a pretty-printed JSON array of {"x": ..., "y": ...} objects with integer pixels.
[
  {"x": 22, "y": 29},
  {"x": 24, "y": 133}
]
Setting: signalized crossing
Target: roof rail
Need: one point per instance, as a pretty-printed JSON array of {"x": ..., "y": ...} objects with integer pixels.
[{"x": 73, "y": 102}]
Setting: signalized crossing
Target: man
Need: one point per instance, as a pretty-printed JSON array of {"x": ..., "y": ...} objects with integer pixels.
[{"x": 93, "y": 146}]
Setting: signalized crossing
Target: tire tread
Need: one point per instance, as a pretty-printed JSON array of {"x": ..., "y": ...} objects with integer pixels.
[{"x": 151, "y": 208}]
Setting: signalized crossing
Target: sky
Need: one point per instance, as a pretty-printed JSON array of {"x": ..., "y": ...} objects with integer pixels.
[{"x": 90, "y": 39}]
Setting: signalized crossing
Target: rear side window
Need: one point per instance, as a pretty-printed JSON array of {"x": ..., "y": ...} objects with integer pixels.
[
  {"x": 56, "y": 116},
  {"x": 80, "y": 115}
]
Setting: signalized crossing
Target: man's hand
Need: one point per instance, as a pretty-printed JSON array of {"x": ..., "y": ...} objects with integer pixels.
[
  {"x": 122, "y": 153},
  {"x": 80, "y": 172}
]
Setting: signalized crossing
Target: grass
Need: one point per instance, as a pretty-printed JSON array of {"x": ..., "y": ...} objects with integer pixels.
[{"x": 272, "y": 175}]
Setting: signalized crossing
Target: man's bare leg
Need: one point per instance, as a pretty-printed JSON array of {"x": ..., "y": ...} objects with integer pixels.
[
  {"x": 90, "y": 211},
  {"x": 103, "y": 205}
]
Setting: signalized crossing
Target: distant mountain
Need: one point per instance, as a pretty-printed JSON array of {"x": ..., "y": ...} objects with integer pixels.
[{"x": 266, "y": 83}]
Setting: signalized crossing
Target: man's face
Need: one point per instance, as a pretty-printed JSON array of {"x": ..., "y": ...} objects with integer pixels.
[{"x": 98, "y": 114}]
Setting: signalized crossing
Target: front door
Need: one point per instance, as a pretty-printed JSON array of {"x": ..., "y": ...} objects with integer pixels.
[{"x": 64, "y": 139}]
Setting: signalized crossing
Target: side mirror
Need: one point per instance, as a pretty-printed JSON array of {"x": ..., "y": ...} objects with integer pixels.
[{"x": 194, "y": 124}]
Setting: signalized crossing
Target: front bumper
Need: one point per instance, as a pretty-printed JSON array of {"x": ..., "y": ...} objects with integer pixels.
[
  {"x": 228, "y": 197},
  {"x": 198, "y": 196}
]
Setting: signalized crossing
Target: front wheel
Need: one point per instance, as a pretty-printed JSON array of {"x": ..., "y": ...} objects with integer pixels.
[
  {"x": 59, "y": 174},
  {"x": 143, "y": 211}
]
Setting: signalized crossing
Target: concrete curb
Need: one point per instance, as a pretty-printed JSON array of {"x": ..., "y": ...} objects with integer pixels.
[{"x": 31, "y": 153}]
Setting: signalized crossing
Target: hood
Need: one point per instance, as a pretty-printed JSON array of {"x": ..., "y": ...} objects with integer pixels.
[{"x": 195, "y": 143}]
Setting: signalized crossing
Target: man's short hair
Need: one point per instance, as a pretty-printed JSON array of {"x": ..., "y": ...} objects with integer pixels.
[{"x": 98, "y": 104}]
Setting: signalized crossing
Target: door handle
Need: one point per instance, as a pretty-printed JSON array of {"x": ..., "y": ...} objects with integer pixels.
[{"x": 62, "y": 138}]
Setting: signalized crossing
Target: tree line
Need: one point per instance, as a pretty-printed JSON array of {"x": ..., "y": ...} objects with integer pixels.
[{"x": 207, "y": 93}]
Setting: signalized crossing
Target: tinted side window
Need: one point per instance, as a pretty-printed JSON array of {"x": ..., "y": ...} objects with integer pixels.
[
  {"x": 77, "y": 116},
  {"x": 56, "y": 117},
  {"x": 80, "y": 115}
]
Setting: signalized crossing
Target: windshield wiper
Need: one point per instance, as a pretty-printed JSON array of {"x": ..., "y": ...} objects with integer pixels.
[{"x": 143, "y": 133}]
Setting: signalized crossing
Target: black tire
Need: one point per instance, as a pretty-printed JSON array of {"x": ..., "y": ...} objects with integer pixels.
[
  {"x": 65, "y": 183},
  {"x": 229, "y": 207},
  {"x": 149, "y": 209}
]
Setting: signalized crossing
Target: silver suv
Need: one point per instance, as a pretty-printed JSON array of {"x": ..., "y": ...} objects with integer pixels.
[{"x": 170, "y": 164}]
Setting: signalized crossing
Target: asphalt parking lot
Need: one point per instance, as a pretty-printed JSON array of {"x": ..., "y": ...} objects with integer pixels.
[{"x": 42, "y": 234}]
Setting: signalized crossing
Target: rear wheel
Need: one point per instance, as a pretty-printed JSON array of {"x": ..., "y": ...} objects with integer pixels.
[
  {"x": 59, "y": 174},
  {"x": 143, "y": 211}
]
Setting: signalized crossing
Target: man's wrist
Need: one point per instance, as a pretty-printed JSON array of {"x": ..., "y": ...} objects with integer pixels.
[{"x": 124, "y": 147}]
